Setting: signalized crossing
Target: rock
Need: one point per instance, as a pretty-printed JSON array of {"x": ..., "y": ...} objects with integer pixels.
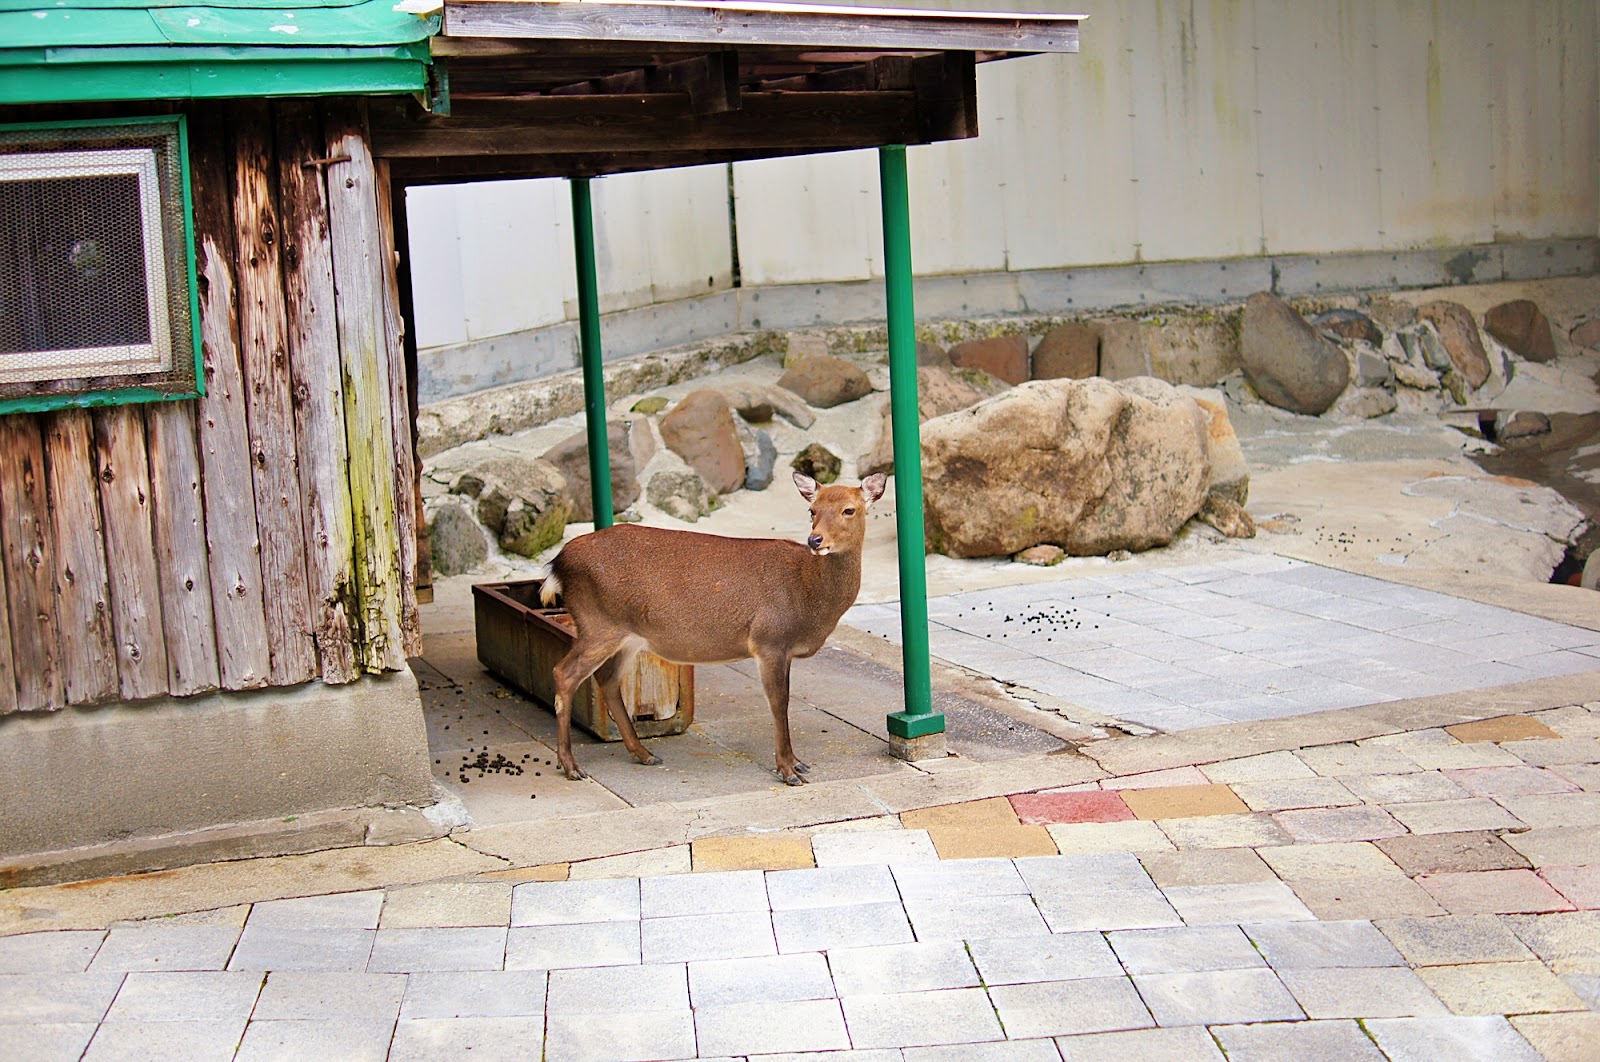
[
  {"x": 1005, "y": 357},
  {"x": 1366, "y": 402},
  {"x": 939, "y": 391},
  {"x": 758, "y": 403},
  {"x": 1069, "y": 351},
  {"x": 1459, "y": 333},
  {"x": 1590, "y": 579},
  {"x": 1391, "y": 313},
  {"x": 1230, "y": 475},
  {"x": 802, "y": 345},
  {"x": 825, "y": 381},
  {"x": 681, "y": 494},
  {"x": 1348, "y": 324},
  {"x": 1520, "y": 424},
  {"x": 700, "y": 429},
  {"x": 456, "y": 540},
  {"x": 1045, "y": 556},
  {"x": 760, "y": 455},
  {"x": 529, "y": 531},
  {"x": 932, "y": 355},
  {"x": 1227, "y": 516},
  {"x": 502, "y": 481},
  {"x": 1286, "y": 361},
  {"x": 571, "y": 457},
  {"x": 1087, "y": 465},
  {"x": 1522, "y": 328},
  {"x": 650, "y": 405},
  {"x": 1198, "y": 350},
  {"x": 1372, "y": 368},
  {"x": 1587, "y": 334},
  {"x": 818, "y": 462},
  {"x": 1416, "y": 376}
]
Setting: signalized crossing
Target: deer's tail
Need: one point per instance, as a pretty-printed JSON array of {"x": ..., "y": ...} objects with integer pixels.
[{"x": 550, "y": 588}]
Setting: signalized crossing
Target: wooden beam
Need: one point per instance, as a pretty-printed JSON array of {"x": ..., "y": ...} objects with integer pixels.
[
  {"x": 467, "y": 168},
  {"x": 947, "y": 95}
]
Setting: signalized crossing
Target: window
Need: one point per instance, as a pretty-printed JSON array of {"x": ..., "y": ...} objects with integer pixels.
[{"x": 97, "y": 292}]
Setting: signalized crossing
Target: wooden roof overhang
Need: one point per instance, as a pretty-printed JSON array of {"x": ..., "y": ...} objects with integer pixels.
[{"x": 583, "y": 88}]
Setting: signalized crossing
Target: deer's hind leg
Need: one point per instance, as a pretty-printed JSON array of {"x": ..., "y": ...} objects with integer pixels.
[
  {"x": 587, "y": 655},
  {"x": 609, "y": 678}
]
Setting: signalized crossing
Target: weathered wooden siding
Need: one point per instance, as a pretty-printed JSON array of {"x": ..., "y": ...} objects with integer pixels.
[{"x": 261, "y": 535}]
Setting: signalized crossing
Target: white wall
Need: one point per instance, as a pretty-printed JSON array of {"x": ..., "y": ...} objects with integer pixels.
[{"x": 1183, "y": 130}]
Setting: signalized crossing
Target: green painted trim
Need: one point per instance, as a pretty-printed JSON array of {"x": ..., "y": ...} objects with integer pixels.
[
  {"x": 210, "y": 80},
  {"x": 419, "y": 51},
  {"x": 120, "y": 396},
  {"x": 915, "y": 724},
  {"x": 594, "y": 381},
  {"x": 191, "y": 259}
]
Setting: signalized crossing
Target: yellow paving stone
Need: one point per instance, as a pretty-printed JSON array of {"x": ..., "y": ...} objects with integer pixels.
[
  {"x": 1347, "y": 859},
  {"x": 992, "y": 813},
  {"x": 547, "y": 872},
  {"x": 1183, "y": 801},
  {"x": 1500, "y": 988},
  {"x": 1132, "y": 835},
  {"x": 1500, "y": 728},
  {"x": 979, "y": 842},
  {"x": 777, "y": 851},
  {"x": 1561, "y": 1037}
]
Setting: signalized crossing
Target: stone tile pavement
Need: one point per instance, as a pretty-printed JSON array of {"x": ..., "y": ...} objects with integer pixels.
[{"x": 1425, "y": 894}]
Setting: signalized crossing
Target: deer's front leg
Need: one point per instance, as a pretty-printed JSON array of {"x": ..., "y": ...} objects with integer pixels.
[{"x": 775, "y": 677}]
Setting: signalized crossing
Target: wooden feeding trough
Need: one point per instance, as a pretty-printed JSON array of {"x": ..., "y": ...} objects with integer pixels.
[{"x": 521, "y": 641}]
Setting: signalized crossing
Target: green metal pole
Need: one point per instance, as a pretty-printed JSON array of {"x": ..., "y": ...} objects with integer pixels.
[
  {"x": 919, "y": 719},
  {"x": 594, "y": 383}
]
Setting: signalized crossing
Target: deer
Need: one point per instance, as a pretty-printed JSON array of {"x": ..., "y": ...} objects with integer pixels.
[{"x": 694, "y": 598}]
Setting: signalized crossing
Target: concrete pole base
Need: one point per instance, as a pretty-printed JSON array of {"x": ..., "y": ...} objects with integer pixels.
[{"x": 928, "y": 747}]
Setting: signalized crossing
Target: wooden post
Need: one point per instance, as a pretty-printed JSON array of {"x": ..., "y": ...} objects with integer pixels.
[
  {"x": 8, "y": 672},
  {"x": 29, "y": 561},
  {"x": 83, "y": 596},
  {"x": 130, "y": 552},
  {"x": 178, "y": 523}
]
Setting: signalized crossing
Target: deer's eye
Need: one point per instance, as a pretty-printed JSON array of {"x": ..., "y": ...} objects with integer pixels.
[{"x": 849, "y": 512}]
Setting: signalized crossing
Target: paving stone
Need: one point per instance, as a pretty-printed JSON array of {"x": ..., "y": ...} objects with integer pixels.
[
  {"x": 299, "y": 948},
  {"x": 1043, "y": 809},
  {"x": 166, "y": 948},
  {"x": 1182, "y": 1044},
  {"x": 1586, "y": 987},
  {"x": 991, "y": 842},
  {"x": 772, "y": 851},
  {"x": 1085, "y": 837},
  {"x": 1184, "y": 949},
  {"x": 1493, "y": 892},
  {"x": 991, "y": 812},
  {"x": 292, "y": 1040},
  {"x": 1254, "y": 830},
  {"x": 995, "y": 1051},
  {"x": 1323, "y": 1041},
  {"x": 134, "y": 1041},
  {"x": 1344, "y": 992},
  {"x": 1312, "y": 945},
  {"x": 1555, "y": 809},
  {"x": 1436, "y": 853},
  {"x": 766, "y": 1027},
  {"x": 791, "y": 890},
  {"x": 1500, "y": 728},
  {"x": 1333, "y": 825},
  {"x": 209, "y": 995},
  {"x": 447, "y": 948},
  {"x": 1500, "y": 988},
  {"x": 645, "y": 1035},
  {"x": 1560, "y": 1037},
  {"x": 61, "y": 999},
  {"x": 1403, "y": 788},
  {"x": 568, "y": 946},
  {"x": 1125, "y": 909},
  {"x": 920, "y": 967},
  {"x": 687, "y": 938},
  {"x": 1253, "y": 901},
  {"x": 1554, "y": 750},
  {"x": 1064, "y": 1008},
  {"x": 1585, "y": 776},
  {"x": 1558, "y": 937},
  {"x": 960, "y": 917},
  {"x": 47, "y": 1042},
  {"x": 853, "y": 926},
  {"x": 886, "y": 847},
  {"x": 618, "y": 990},
  {"x": 482, "y": 1039},
  {"x": 1454, "y": 816},
  {"x": 1054, "y": 957},
  {"x": 1579, "y": 885},
  {"x": 556, "y": 903},
  {"x": 1453, "y": 754},
  {"x": 1454, "y": 940},
  {"x": 1183, "y": 801},
  {"x": 1225, "y": 997},
  {"x": 447, "y": 903},
  {"x": 1293, "y": 793},
  {"x": 1267, "y": 767},
  {"x": 1364, "y": 898},
  {"x": 1206, "y": 866},
  {"x": 973, "y": 877},
  {"x": 63, "y": 951},
  {"x": 1104, "y": 872},
  {"x": 1511, "y": 781},
  {"x": 1460, "y": 1039},
  {"x": 1558, "y": 846},
  {"x": 657, "y": 862},
  {"x": 1184, "y": 776},
  {"x": 345, "y": 910},
  {"x": 1333, "y": 761},
  {"x": 1357, "y": 859},
  {"x": 301, "y": 995},
  {"x": 716, "y": 892},
  {"x": 475, "y": 994},
  {"x": 915, "y": 1019},
  {"x": 770, "y": 978}
]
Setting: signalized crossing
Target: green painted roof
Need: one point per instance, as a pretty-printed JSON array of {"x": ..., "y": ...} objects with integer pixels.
[{"x": 80, "y": 50}]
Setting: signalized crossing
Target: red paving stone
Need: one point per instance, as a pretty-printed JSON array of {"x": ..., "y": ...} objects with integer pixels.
[
  {"x": 1493, "y": 892},
  {"x": 1510, "y": 781},
  {"x": 1581, "y": 885},
  {"x": 1044, "y": 809}
]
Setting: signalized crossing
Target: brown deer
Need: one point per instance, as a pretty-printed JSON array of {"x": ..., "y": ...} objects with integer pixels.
[{"x": 704, "y": 599}]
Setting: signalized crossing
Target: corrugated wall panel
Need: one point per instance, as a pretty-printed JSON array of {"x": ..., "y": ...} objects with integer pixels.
[{"x": 810, "y": 218}]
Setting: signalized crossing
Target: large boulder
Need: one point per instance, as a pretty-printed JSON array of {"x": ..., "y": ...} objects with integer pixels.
[
  {"x": 1458, "y": 331},
  {"x": 1005, "y": 357},
  {"x": 1287, "y": 362},
  {"x": 939, "y": 391},
  {"x": 1067, "y": 352},
  {"x": 455, "y": 539},
  {"x": 1193, "y": 349},
  {"x": 523, "y": 501},
  {"x": 1230, "y": 474},
  {"x": 701, "y": 430},
  {"x": 1088, "y": 465},
  {"x": 1522, "y": 328},
  {"x": 825, "y": 381},
  {"x": 681, "y": 494},
  {"x": 571, "y": 456}
]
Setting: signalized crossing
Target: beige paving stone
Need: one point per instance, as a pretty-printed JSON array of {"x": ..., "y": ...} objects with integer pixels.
[
  {"x": 1157, "y": 779},
  {"x": 1436, "y": 853},
  {"x": 1403, "y": 788},
  {"x": 1267, "y": 767},
  {"x": 1554, "y": 750},
  {"x": 1292, "y": 793},
  {"x": 1370, "y": 898},
  {"x": 1572, "y": 721},
  {"x": 1561, "y": 1037},
  {"x": 1253, "y": 830},
  {"x": 221, "y": 916},
  {"x": 776, "y": 851},
  {"x": 447, "y": 904},
  {"x": 1558, "y": 846},
  {"x": 1454, "y": 940},
  {"x": 547, "y": 872},
  {"x": 1580, "y": 885},
  {"x": 1555, "y": 809},
  {"x": 1183, "y": 801},
  {"x": 994, "y": 812},
  {"x": 977, "y": 842},
  {"x": 1500, "y": 728},
  {"x": 1585, "y": 776},
  {"x": 1134, "y": 835},
  {"x": 1333, "y": 825},
  {"x": 1496, "y": 782},
  {"x": 1206, "y": 866},
  {"x": 1347, "y": 758},
  {"x": 1460, "y": 754},
  {"x": 1454, "y": 816},
  {"x": 1493, "y": 892},
  {"x": 1500, "y": 988},
  {"x": 1184, "y": 1043},
  {"x": 1356, "y": 859},
  {"x": 672, "y": 860},
  {"x": 1569, "y": 941}
]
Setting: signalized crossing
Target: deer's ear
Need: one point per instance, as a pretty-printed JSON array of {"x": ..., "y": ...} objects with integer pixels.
[
  {"x": 806, "y": 485},
  {"x": 873, "y": 486}
]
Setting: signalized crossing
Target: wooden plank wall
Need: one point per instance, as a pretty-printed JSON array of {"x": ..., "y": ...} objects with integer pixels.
[{"x": 264, "y": 534}]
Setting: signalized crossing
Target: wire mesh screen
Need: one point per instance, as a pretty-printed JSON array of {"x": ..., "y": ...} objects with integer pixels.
[{"x": 94, "y": 264}]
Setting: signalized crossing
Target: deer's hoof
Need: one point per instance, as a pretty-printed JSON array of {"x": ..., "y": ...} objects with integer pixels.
[
  {"x": 574, "y": 773},
  {"x": 653, "y": 761},
  {"x": 792, "y": 779},
  {"x": 803, "y": 768}
]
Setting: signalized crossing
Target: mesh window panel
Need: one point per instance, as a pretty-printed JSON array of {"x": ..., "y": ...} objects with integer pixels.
[{"x": 95, "y": 275}]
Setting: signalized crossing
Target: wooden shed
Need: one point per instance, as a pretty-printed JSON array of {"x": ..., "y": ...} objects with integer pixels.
[{"x": 208, "y": 488}]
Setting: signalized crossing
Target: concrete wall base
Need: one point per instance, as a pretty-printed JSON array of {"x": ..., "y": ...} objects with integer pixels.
[
  {"x": 927, "y": 747},
  {"x": 128, "y": 787}
]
